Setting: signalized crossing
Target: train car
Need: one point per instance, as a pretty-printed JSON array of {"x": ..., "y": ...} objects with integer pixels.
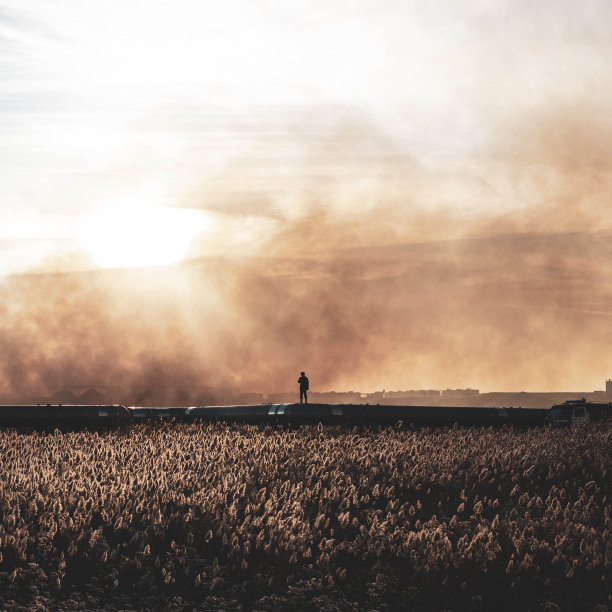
[
  {"x": 247, "y": 414},
  {"x": 360, "y": 414},
  {"x": 141, "y": 414},
  {"x": 304, "y": 414},
  {"x": 443, "y": 415},
  {"x": 369, "y": 414},
  {"x": 60, "y": 415},
  {"x": 297, "y": 414}
]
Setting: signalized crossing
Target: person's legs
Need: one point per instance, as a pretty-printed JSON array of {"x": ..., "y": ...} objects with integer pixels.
[
  {"x": 301, "y": 395},
  {"x": 305, "y": 397}
]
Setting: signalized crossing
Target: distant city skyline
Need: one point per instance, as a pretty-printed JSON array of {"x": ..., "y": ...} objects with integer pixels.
[{"x": 96, "y": 394}]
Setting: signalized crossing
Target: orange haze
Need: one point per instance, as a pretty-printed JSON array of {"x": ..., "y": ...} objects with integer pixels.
[{"x": 370, "y": 285}]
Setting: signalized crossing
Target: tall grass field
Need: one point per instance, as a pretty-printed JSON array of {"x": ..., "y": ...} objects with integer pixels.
[{"x": 229, "y": 517}]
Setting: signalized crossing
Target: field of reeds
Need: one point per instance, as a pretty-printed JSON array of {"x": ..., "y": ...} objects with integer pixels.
[{"x": 211, "y": 517}]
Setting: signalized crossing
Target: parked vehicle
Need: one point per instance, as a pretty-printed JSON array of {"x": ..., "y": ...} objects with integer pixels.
[{"x": 576, "y": 412}]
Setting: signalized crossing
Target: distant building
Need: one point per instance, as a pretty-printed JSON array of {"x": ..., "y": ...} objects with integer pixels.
[
  {"x": 460, "y": 393},
  {"x": 609, "y": 389},
  {"x": 410, "y": 393},
  {"x": 335, "y": 397},
  {"x": 63, "y": 396},
  {"x": 91, "y": 397},
  {"x": 376, "y": 398}
]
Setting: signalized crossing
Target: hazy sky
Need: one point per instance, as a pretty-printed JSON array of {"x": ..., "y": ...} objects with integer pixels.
[
  {"x": 142, "y": 133},
  {"x": 244, "y": 113}
]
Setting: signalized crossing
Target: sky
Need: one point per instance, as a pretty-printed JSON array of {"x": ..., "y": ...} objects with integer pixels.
[{"x": 386, "y": 194}]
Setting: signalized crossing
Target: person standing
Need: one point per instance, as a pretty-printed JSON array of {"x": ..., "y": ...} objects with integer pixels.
[{"x": 303, "y": 382}]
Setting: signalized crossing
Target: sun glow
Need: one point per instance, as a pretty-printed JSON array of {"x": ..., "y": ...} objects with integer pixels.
[{"x": 130, "y": 235}]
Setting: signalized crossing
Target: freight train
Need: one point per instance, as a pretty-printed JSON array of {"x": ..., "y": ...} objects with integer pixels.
[{"x": 45, "y": 416}]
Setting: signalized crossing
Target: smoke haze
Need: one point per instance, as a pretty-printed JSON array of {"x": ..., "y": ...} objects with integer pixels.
[
  {"x": 514, "y": 311},
  {"x": 400, "y": 198}
]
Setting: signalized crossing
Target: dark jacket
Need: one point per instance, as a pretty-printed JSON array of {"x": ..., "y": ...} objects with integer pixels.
[{"x": 303, "y": 380}]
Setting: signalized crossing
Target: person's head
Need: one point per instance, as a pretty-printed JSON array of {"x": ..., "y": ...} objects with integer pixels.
[{"x": 303, "y": 373}]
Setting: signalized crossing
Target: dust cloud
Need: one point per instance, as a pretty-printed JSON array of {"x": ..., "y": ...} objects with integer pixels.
[{"x": 373, "y": 281}]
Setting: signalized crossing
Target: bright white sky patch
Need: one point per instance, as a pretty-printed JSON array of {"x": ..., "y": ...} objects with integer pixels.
[
  {"x": 135, "y": 231},
  {"x": 240, "y": 107}
]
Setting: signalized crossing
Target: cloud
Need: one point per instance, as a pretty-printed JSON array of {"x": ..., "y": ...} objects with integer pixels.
[
  {"x": 516, "y": 312},
  {"x": 363, "y": 286},
  {"x": 434, "y": 214}
]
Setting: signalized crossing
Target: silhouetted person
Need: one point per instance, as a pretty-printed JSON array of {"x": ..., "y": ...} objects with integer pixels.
[{"x": 303, "y": 382}]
